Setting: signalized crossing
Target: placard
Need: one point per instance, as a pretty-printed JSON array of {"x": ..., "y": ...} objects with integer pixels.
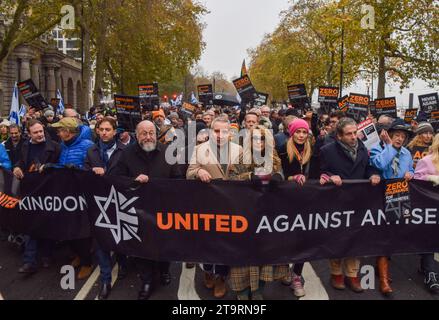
[
  {"x": 429, "y": 102},
  {"x": 368, "y": 134},
  {"x": 298, "y": 96},
  {"x": 128, "y": 112},
  {"x": 149, "y": 95},
  {"x": 32, "y": 95},
  {"x": 386, "y": 106},
  {"x": 205, "y": 94},
  {"x": 410, "y": 114},
  {"x": 397, "y": 204},
  {"x": 358, "y": 107},
  {"x": 261, "y": 99},
  {"x": 245, "y": 89}
]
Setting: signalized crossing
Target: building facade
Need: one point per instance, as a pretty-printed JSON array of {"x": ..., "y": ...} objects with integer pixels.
[{"x": 48, "y": 68}]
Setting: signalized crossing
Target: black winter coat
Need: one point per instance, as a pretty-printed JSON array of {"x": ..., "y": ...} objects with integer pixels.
[
  {"x": 93, "y": 158},
  {"x": 135, "y": 161},
  {"x": 334, "y": 161}
]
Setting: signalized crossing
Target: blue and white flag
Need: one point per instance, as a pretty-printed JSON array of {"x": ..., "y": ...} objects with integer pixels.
[
  {"x": 238, "y": 97},
  {"x": 179, "y": 100},
  {"x": 193, "y": 98},
  {"x": 22, "y": 111},
  {"x": 14, "y": 112},
  {"x": 60, "y": 109}
]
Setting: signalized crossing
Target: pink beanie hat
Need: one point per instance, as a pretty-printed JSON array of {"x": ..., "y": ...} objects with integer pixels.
[{"x": 297, "y": 124}]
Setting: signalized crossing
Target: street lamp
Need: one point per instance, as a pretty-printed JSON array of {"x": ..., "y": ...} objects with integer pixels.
[{"x": 369, "y": 81}]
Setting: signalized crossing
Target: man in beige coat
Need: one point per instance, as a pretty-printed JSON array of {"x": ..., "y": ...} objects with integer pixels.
[{"x": 212, "y": 160}]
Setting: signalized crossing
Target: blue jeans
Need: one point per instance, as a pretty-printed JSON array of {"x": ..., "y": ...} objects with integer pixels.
[
  {"x": 31, "y": 248},
  {"x": 105, "y": 263}
]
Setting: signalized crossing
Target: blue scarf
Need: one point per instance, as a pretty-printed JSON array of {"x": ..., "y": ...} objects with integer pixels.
[{"x": 103, "y": 148}]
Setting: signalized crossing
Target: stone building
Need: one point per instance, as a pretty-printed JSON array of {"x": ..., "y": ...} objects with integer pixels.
[{"x": 50, "y": 70}]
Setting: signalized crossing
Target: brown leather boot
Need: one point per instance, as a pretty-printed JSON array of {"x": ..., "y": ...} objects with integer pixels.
[
  {"x": 209, "y": 280},
  {"x": 84, "y": 272},
  {"x": 383, "y": 272},
  {"x": 219, "y": 290}
]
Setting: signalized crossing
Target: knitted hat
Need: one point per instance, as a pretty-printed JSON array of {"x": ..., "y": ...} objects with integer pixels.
[
  {"x": 424, "y": 127},
  {"x": 158, "y": 113},
  {"x": 49, "y": 113},
  {"x": 297, "y": 124},
  {"x": 173, "y": 115}
]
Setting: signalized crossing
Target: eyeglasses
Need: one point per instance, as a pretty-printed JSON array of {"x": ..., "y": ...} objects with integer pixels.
[{"x": 145, "y": 134}]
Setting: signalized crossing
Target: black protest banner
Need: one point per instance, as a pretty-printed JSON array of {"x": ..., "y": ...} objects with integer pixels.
[
  {"x": 386, "y": 106},
  {"x": 261, "y": 99},
  {"x": 149, "y": 95},
  {"x": 418, "y": 153},
  {"x": 245, "y": 89},
  {"x": 410, "y": 114},
  {"x": 343, "y": 103},
  {"x": 222, "y": 221},
  {"x": 128, "y": 111},
  {"x": 328, "y": 98},
  {"x": 298, "y": 96},
  {"x": 328, "y": 94},
  {"x": 187, "y": 107},
  {"x": 205, "y": 94},
  {"x": 397, "y": 199},
  {"x": 358, "y": 106},
  {"x": 45, "y": 206},
  {"x": 434, "y": 120},
  {"x": 31, "y": 94},
  {"x": 429, "y": 102}
]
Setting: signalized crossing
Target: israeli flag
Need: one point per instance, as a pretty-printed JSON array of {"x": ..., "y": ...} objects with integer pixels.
[
  {"x": 193, "y": 98},
  {"x": 13, "y": 114},
  {"x": 179, "y": 100},
  {"x": 22, "y": 111},
  {"x": 60, "y": 109},
  {"x": 238, "y": 97}
]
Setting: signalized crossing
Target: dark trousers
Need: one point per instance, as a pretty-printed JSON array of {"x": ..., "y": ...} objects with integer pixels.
[
  {"x": 428, "y": 264},
  {"x": 146, "y": 269},
  {"x": 217, "y": 269},
  {"x": 298, "y": 268},
  {"x": 31, "y": 248},
  {"x": 106, "y": 265},
  {"x": 82, "y": 248}
]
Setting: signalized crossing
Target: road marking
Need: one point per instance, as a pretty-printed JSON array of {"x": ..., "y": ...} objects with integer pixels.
[
  {"x": 313, "y": 285},
  {"x": 186, "y": 286},
  {"x": 85, "y": 290}
]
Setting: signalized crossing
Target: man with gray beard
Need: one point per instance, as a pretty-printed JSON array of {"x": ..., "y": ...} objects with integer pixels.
[{"x": 141, "y": 161}]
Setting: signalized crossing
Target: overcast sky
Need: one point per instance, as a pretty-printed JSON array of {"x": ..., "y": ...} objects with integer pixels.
[{"x": 234, "y": 26}]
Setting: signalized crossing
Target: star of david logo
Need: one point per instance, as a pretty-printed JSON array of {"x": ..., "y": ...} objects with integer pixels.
[{"x": 127, "y": 222}]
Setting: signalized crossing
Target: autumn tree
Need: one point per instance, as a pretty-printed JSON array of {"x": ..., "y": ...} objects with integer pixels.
[{"x": 23, "y": 21}]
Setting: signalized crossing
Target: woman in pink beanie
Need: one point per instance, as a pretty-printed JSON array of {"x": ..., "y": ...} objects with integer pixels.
[{"x": 295, "y": 166}]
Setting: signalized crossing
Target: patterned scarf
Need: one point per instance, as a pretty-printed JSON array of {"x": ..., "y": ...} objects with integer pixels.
[
  {"x": 352, "y": 152},
  {"x": 395, "y": 164}
]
